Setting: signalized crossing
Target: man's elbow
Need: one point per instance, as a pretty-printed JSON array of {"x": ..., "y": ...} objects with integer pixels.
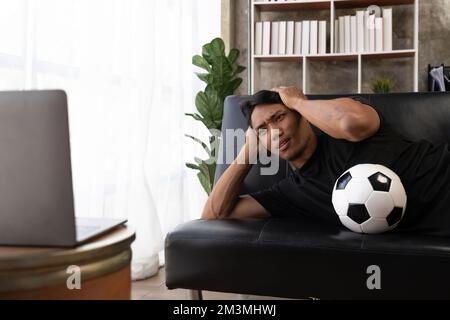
[
  {"x": 356, "y": 130},
  {"x": 210, "y": 214}
]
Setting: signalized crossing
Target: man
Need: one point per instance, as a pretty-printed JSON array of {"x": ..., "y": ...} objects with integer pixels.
[{"x": 321, "y": 139}]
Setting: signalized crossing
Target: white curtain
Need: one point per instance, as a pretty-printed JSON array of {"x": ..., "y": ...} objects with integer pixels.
[{"x": 126, "y": 68}]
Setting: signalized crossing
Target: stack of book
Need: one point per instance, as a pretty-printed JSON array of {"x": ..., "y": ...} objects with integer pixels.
[
  {"x": 363, "y": 32},
  {"x": 290, "y": 37},
  {"x": 276, "y": 0}
]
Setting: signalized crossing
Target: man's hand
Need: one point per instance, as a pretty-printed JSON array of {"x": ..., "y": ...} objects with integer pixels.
[{"x": 291, "y": 96}]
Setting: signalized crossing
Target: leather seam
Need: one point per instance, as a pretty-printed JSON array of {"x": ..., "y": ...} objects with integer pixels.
[
  {"x": 350, "y": 250},
  {"x": 262, "y": 229}
]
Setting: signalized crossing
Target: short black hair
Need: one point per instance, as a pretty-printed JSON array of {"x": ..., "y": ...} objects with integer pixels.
[{"x": 261, "y": 97}]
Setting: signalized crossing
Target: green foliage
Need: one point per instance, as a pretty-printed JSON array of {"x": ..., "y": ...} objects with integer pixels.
[
  {"x": 382, "y": 85},
  {"x": 220, "y": 73}
]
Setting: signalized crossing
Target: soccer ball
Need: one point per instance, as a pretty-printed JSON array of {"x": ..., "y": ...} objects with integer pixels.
[{"x": 369, "y": 198}]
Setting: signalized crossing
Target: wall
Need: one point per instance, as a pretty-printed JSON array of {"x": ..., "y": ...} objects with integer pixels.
[{"x": 341, "y": 76}]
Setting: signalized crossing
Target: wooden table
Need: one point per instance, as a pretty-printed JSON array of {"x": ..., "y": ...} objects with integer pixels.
[{"x": 44, "y": 273}]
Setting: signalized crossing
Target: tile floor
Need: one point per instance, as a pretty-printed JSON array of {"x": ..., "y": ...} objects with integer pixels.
[{"x": 154, "y": 288}]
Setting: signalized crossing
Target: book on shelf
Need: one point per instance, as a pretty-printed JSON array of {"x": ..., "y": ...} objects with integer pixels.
[
  {"x": 387, "y": 29},
  {"x": 366, "y": 31},
  {"x": 313, "y": 28},
  {"x": 298, "y": 38},
  {"x": 341, "y": 34},
  {"x": 282, "y": 37},
  {"x": 378, "y": 34},
  {"x": 360, "y": 31},
  {"x": 305, "y": 36},
  {"x": 371, "y": 27},
  {"x": 290, "y": 37},
  {"x": 266, "y": 38},
  {"x": 274, "y": 39},
  {"x": 353, "y": 34},
  {"x": 322, "y": 49},
  {"x": 347, "y": 38},
  {"x": 336, "y": 36},
  {"x": 258, "y": 37}
]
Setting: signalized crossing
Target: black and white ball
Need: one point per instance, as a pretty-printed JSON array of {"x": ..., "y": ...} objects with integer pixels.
[{"x": 369, "y": 198}]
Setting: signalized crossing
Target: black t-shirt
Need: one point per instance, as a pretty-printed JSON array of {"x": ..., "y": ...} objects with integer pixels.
[{"x": 423, "y": 168}]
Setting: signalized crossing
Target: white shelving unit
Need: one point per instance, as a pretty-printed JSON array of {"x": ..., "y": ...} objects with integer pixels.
[{"x": 258, "y": 7}]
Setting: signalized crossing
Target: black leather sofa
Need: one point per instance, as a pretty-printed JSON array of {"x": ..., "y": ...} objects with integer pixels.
[{"x": 298, "y": 258}]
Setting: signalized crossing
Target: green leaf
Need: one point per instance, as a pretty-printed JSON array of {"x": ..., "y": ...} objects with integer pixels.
[
  {"x": 218, "y": 47},
  {"x": 198, "y": 160},
  {"x": 195, "y": 116},
  {"x": 210, "y": 107},
  {"x": 204, "y": 169},
  {"x": 382, "y": 85},
  {"x": 205, "y": 182},
  {"x": 212, "y": 171},
  {"x": 200, "y": 142},
  {"x": 192, "y": 166},
  {"x": 203, "y": 176},
  {"x": 213, "y": 50},
  {"x": 234, "y": 84},
  {"x": 214, "y": 143},
  {"x": 207, "y": 172},
  {"x": 203, "y": 104},
  {"x": 210, "y": 89},
  {"x": 205, "y": 77},
  {"x": 230, "y": 87},
  {"x": 221, "y": 72},
  {"x": 208, "y": 123},
  {"x": 233, "y": 55},
  {"x": 200, "y": 62},
  {"x": 238, "y": 70}
]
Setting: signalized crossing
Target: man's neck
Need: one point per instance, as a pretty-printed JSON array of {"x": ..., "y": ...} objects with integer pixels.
[{"x": 306, "y": 155}]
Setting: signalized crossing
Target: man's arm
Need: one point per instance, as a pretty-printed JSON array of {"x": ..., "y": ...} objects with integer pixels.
[
  {"x": 224, "y": 201},
  {"x": 341, "y": 118}
]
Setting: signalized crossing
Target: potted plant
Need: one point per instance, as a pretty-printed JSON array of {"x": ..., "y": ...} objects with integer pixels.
[
  {"x": 382, "y": 85},
  {"x": 221, "y": 77}
]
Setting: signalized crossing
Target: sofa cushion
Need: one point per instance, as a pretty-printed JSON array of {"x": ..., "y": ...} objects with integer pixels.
[{"x": 298, "y": 258}]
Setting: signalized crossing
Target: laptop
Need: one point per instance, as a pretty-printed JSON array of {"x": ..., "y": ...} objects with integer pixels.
[{"x": 36, "y": 192}]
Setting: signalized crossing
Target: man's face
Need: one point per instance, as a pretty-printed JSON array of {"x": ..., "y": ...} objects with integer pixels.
[{"x": 280, "y": 130}]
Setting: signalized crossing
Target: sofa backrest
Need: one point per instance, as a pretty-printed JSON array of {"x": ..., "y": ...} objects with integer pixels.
[{"x": 415, "y": 115}]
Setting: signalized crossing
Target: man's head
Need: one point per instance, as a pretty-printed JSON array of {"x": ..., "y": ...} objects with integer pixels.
[{"x": 280, "y": 129}]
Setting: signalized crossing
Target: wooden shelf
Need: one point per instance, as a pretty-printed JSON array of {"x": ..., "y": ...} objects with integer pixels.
[
  {"x": 333, "y": 57},
  {"x": 276, "y": 58},
  {"x": 324, "y": 4},
  {"x": 293, "y": 5},
  {"x": 338, "y": 56},
  {"x": 365, "y": 3},
  {"x": 388, "y": 55}
]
